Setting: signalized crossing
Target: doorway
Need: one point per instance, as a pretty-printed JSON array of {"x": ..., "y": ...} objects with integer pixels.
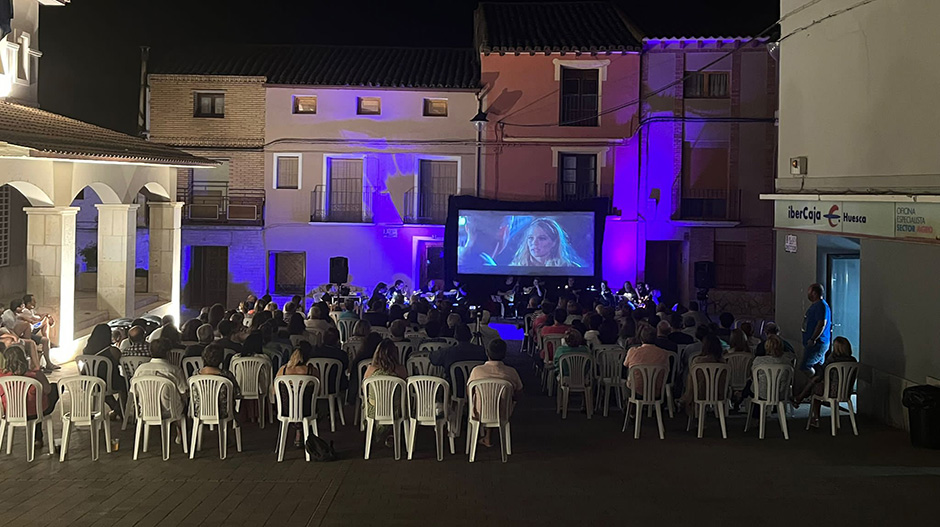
[
  {"x": 208, "y": 277},
  {"x": 662, "y": 268},
  {"x": 844, "y": 279}
]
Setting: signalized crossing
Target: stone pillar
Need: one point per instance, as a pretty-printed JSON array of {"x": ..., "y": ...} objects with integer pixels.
[
  {"x": 165, "y": 252},
  {"x": 50, "y": 269},
  {"x": 117, "y": 247}
]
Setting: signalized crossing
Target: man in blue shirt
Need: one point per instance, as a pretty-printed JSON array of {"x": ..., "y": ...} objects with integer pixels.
[{"x": 817, "y": 330}]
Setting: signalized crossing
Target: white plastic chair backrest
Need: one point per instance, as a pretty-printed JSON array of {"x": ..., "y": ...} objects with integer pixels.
[
  {"x": 15, "y": 389},
  {"x": 527, "y": 321},
  {"x": 428, "y": 347},
  {"x": 295, "y": 340},
  {"x": 86, "y": 396},
  {"x": 148, "y": 391},
  {"x": 740, "y": 364},
  {"x": 423, "y": 391},
  {"x": 610, "y": 363},
  {"x": 383, "y": 388},
  {"x": 451, "y": 341},
  {"x": 712, "y": 378},
  {"x": 188, "y": 343},
  {"x": 460, "y": 375},
  {"x": 252, "y": 374},
  {"x": 353, "y": 348},
  {"x": 576, "y": 369},
  {"x": 328, "y": 368},
  {"x": 843, "y": 374},
  {"x": 209, "y": 388},
  {"x": 776, "y": 376},
  {"x": 335, "y": 315},
  {"x": 652, "y": 377},
  {"x": 175, "y": 356},
  {"x": 549, "y": 344},
  {"x": 363, "y": 366},
  {"x": 383, "y": 331},
  {"x": 494, "y": 396},
  {"x": 91, "y": 365},
  {"x": 345, "y": 326},
  {"x": 673, "y": 366},
  {"x": 418, "y": 364},
  {"x": 405, "y": 348},
  {"x": 680, "y": 348},
  {"x": 129, "y": 365},
  {"x": 295, "y": 388},
  {"x": 191, "y": 365}
]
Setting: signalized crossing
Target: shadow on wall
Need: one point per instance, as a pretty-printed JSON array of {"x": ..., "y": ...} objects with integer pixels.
[{"x": 882, "y": 368}]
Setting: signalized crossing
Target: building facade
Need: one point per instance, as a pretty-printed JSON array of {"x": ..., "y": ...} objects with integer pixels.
[{"x": 856, "y": 202}]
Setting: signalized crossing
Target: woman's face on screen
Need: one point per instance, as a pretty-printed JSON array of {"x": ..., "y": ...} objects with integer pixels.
[{"x": 540, "y": 243}]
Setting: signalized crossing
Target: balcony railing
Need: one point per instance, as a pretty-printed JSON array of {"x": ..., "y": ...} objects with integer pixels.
[
  {"x": 352, "y": 205},
  {"x": 575, "y": 191},
  {"x": 425, "y": 208},
  {"x": 216, "y": 204},
  {"x": 710, "y": 205}
]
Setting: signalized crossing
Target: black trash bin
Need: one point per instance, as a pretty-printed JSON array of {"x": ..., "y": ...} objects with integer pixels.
[{"x": 923, "y": 403}]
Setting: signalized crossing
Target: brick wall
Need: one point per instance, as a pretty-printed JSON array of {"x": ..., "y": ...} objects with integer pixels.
[
  {"x": 246, "y": 167},
  {"x": 172, "y": 104}
]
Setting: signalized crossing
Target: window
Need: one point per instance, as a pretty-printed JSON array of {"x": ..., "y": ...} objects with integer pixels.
[
  {"x": 706, "y": 85},
  {"x": 730, "y": 265},
  {"x": 345, "y": 190},
  {"x": 287, "y": 171},
  {"x": 369, "y": 106},
  {"x": 209, "y": 104},
  {"x": 289, "y": 270},
  {"x": 577, "y": 175},
  {"x": 438, "y": 181},
  {"x": 305, "y": 104},
  {"x": 579, "y": 97},
  {"x": 435, "y": 107},
  {"x": 23, "y": 61},
  {"x": 5, "y": 197}
]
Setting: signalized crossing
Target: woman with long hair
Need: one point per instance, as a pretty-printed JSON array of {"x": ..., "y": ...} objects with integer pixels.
[
  {"x": 99, "y": 343},
  {"x": 16, "y": 364},
  {"x": 384, "y": 363},
  {"x": 297, "y": 365},
  {"x": 545, "y": 244}
]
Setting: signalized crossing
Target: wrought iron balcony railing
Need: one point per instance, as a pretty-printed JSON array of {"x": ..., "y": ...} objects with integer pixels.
[{"x": 215, "y": 203}]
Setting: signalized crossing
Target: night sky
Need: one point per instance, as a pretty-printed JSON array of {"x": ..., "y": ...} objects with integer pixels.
[{"x": 91, "y": 55}]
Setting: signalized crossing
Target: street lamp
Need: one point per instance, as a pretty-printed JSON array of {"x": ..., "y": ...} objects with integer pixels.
[{"x": 479, "y": 121}]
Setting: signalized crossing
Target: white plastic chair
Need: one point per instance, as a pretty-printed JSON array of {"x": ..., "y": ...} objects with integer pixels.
[
  {"x": 389, "y": 394},
  {"x": 208, "y": 389},
  {"x": 352, "y": 349},
  {"x": 579, "y": 379},
  {"x": 335, "y": 316},
  {"x": 345, "y": 327},
  {"x": 419, "y": 364},
  {"x": 450, "y": 341},
  {"x": 148, "y": 393},
  {"x": 549, "y": 344},
  {"x": 652, "y": 394},
  {"x": 405, "y": 348},
  {"x": 493, "y": 398},
  {"x": 423, "y": 395},
  {"x": 381, "y": 330},
  {"x": 330, "y": 391},
  {"x": 459, "y": 375},
  {"x": 360, "y": 408},
  {"x": 528, "y": 339},
  {"x": 253, "y": 375},
  {"x": 16, "y": 415},
  {"x": 192, "y": 365},
  {"x": 610, "y": 375},
  {"x": 740, "y": 364},
  {"x": 711, "y": 380},
  {"x": 313, "y": 336},
  {"x": 776, "y": 376},
  {"x": 670, "y": 381},
  {"x": 430, "y": 347},
  {"x": 87, "y": 408},
  {"x": 129, "y": 365},
  {"x": 91, "y": 365},
  {"x": 298, "y": 389},
  {"x": 839, "y": 379},
  {"x": 175, "y": 356}
]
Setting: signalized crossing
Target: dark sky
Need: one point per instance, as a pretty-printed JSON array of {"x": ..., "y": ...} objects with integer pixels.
[{"x": 91, "y": 57}]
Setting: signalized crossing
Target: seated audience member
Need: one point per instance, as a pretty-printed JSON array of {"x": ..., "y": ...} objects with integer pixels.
[
  {"x": 663, "y": 330},
  {"x": 647, "y": 353},
  {"x": 212, "y": 357},
  {"x": 558, "y": 327},
  {"x": 547, "y": 310},
  {"x": 161, "y": 366},
  {"x": 330, "y": 349},
  {"x": 841, "y": 351},
  {"x": 592, "y": 323},
  {"x": 297, "y": 365},
  {"x": 495, "y": 368},
  {"x": 22, "y": 336},
  {"x": 135, "y": 345},
  {"x": 397, "y": 330},
  {"x": 188, "y": 331},
  {"x": 216, "y": 314},
  {"x": 774, "y": 355},
  {"x": 463, "y": 351},
  {"x": 608, "y": 332},
  {"x": 227, "y": 332},
  {"x": 573, "y": 343},
  {"x": 253, "y": 345},
  {"x": 384, "y": 364},
  {"x": 532, "y": 306},
  {"x": 627, "y": 335},
  {"x": 376, "y": 312},
  {"x": 167, "y": 325},
  {"x": 453, "y": 320},
  {"x": 772, "y": 329},
  {"x": 204, "y": 336},
  {"x": 698, "y": 318},
  {"x": 99, "y": 343},
  {"x": 316, "y": 320},
  {"x": 687, "y": 354},
  {"x": 296, "y": 325},
  {"x": 712, "y": 352},
  {"x": 752, "y": 341},
  {"x": 726, "y": 320},
  {"x": 677, "y": 335},
  {"x": 738, "y": 342},
  {"x": 433, "y": 330},
  {"x": 15, "y": 363},
  {"x": 349, "y": 310},
  {"x": 574, "y": 312},
  {"x": 118, "y": 335},
  {"x": 396, "y": 312},
  {"x": 487, "y": 333}
]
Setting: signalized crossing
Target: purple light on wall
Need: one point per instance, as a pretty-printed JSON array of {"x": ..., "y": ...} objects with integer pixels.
[{"x": 619, "y": 252}]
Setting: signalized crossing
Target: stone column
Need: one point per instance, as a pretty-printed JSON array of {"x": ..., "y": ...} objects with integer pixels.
[
  {"x": 50, "y": 269},
  {"x": 165, "y": 252},
  {"x": 117, "y": 249}
]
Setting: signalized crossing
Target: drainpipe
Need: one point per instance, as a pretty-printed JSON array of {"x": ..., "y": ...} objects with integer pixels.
[{"x": 143, "y": 110}]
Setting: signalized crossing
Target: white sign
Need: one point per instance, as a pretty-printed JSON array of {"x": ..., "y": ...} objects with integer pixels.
[
  {"x": 790, "y": 244},
  {"x": 871, "y": 219},
  {"x": 917, "y": 220}
]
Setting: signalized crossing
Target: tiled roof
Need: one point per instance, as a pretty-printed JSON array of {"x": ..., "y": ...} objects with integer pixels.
[
  {"x": 702, "y": 21},
  {"x": 387, "y": 67},
  {"x": 53, "y": 135},
  {"x": 554, "y": 27}
]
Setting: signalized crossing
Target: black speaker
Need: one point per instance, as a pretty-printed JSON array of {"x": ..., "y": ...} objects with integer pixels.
[
  {"x": 704, "y": 275},
  {"x": 339, "y": 270}
]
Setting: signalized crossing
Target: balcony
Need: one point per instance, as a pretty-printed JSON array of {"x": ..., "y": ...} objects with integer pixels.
[
  {"x": 575, "y": 191},
  {"x": 341, "y": 205},
  {"x": 425, "y": 208},
  {"x": 216, "y": 204},
  {"x": 710, "y": 205}
]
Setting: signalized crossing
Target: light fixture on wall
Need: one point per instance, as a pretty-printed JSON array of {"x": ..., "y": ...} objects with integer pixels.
[
  {"x": 479, "y": 120},
  {"x": 774, "y": 49}
]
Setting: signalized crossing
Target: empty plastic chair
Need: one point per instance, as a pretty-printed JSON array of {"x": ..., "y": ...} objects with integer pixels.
[
  {"x": 150, "y": 392},
  {"x": 15, "y": 389},
  {"x": 86, "y": 408},
  {"x": 385, "y": 405},
  {"x": 296, "y": 396},
  {"x": 330, "y": 371},
  {"x": 610, "y": 376},
  {"x": 740, "y": 364},
  {"x": 647, "y": 383},
  {"x": 212, "y": 403},
  {"x": 192, "y": 365},
  {"x": 575, "y": 374},
  {"x": 671, "y": 381},
  {"x": 419, "y": 364},
  {"x": 405, "y": 348},
  {"x": 490, "y": 406},
  {"x": 360, "y": 407},
  {"x": 770, "y": 393},
  {"x": 429, "y": 402},
  {"x": 549, "y": 344},
  {"x": 253, "y": 375},
  {"x": 710, "y": 388}
]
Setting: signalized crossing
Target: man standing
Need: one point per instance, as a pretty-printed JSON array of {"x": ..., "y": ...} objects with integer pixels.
[{"x": 817, "y": 329}]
